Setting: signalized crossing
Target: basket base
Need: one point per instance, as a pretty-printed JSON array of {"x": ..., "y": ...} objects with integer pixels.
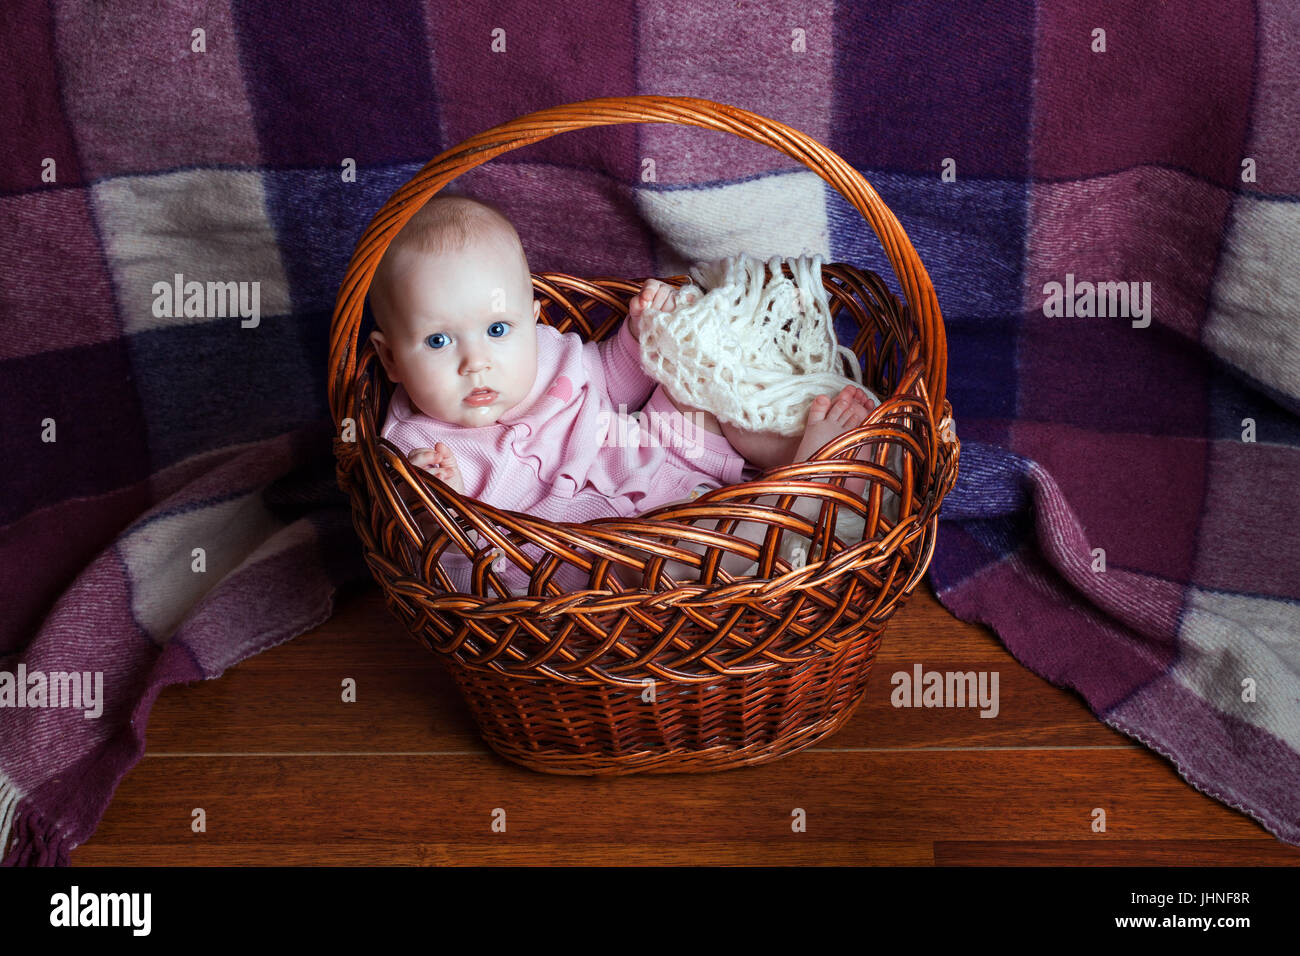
[{"x": 690, "y": 728}]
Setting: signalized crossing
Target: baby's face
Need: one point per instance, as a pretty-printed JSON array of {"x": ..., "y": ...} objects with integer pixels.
[{"x": 459, "y": 323}]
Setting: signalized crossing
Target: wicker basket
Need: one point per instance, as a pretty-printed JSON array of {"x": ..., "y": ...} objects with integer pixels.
[{"x": 686, "y": 676}]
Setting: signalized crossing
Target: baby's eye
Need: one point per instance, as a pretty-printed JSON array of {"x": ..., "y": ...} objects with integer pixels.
[
  {"x": 494, "y": 325},
  {"x": 436, "y": 341}
]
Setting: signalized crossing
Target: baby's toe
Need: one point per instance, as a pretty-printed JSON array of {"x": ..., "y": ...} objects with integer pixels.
[
  {"x": 817, "y": 410},
  {"x": 843, "y": 408}
]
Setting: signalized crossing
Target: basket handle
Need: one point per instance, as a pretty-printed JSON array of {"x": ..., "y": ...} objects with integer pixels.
[{"x": 610, "y": 111}]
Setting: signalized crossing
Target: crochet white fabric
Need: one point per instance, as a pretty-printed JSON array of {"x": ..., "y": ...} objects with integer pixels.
[{"x": 754, "y": 353}]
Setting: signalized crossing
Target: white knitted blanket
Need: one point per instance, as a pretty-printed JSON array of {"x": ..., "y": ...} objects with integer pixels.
[{"x": 754, "y": 353}]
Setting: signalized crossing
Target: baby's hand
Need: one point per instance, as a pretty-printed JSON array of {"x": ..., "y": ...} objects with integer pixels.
[
  {"x": 439, "y": 462},
  {"x": 654, "y": 294}
]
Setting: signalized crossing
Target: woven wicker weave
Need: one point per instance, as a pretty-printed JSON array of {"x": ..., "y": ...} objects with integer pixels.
[{"x": 680, "y": 676}]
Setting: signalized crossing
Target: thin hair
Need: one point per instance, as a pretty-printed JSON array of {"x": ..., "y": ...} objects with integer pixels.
[
  {"x": 450, "y": 223},
  {"x": 444, "y": 224}
]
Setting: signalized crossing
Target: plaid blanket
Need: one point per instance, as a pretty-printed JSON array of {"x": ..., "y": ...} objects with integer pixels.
[{"x": 1110, "y": 220}]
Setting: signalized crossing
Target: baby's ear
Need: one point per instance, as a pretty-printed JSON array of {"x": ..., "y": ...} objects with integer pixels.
[{"x": 385, "y": 354}]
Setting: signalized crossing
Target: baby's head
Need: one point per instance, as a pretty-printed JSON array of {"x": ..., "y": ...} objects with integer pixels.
[{"x": 453, "y": 302}]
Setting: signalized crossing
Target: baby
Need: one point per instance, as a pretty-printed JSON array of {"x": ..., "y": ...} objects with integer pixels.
[{"x": 515, "y": 414}]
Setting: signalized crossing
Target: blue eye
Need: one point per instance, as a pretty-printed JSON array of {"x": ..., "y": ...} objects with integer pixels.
[
  {"x": 504, "y": 328},
  {"x": 430, "y": 341}
]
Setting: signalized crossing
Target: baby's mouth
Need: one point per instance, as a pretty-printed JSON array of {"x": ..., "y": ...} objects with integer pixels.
[{"x": 481, "y": 396}]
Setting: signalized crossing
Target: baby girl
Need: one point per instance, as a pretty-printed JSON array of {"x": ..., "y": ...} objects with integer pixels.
[{"x": 513, "y": 413}]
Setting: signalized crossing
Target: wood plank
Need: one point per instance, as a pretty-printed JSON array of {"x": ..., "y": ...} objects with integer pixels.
[
  {"x": 476, "y": 854},
  {"x": 1267, "y": 851},
  {"x": 897, "y": 797}
]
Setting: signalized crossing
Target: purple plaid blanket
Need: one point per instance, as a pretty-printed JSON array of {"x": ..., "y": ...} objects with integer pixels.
[{"x": 1111, "y": 221}]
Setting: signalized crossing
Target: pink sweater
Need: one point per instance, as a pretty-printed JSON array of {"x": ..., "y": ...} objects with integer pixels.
[{"x": 557, "y": 454}]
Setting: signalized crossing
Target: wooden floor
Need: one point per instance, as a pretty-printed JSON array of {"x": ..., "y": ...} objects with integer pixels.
[{"x": 289, "y": 774}]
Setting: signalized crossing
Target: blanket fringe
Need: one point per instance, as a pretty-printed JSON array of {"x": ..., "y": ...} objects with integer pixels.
[
  {"x": 9, "y": 797},
  {"x": 37, "y": 841}
]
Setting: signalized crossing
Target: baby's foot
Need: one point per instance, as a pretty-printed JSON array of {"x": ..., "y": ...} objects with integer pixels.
[
  {"x": 439, "y": 462},
  {"x": 828, "y": 418},
  {"x": 656, "y": 295}
]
